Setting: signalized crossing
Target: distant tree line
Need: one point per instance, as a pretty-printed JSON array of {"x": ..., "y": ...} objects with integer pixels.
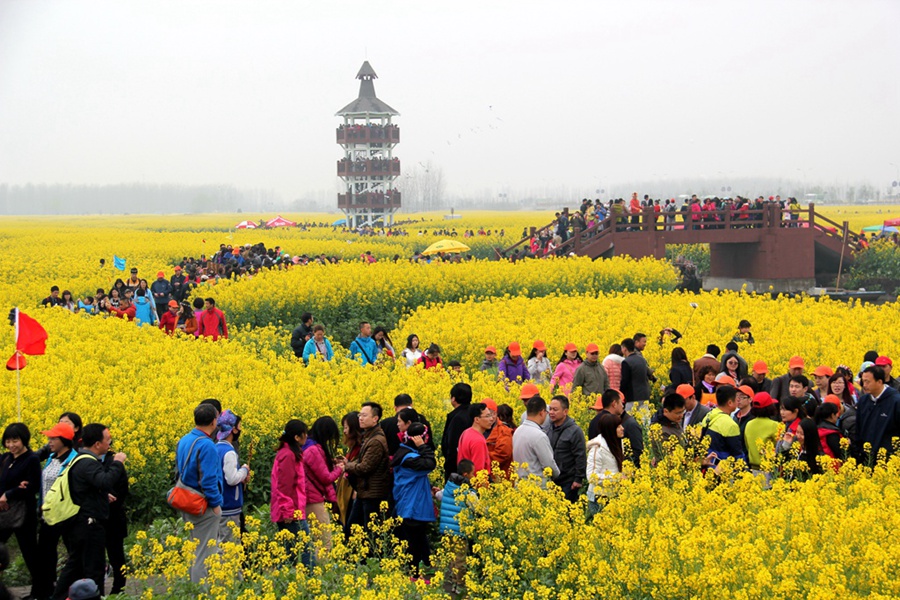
[{"x": 131, "y": 198}]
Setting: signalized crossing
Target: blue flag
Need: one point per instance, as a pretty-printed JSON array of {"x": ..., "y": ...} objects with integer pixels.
[{"x": 119, "y": 263}]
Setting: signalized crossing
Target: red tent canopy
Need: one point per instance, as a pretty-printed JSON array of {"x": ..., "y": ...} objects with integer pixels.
[
  {"x": 892, "y": 223},
  {"x": 280, "y": 221},
  {"x": 246, "y": 225}
]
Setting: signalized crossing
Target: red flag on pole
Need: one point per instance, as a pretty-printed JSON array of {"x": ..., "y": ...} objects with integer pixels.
[{"x": 31, "y": 338}]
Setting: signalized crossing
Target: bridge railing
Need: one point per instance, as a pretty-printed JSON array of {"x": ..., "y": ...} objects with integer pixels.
[{"x": 649, "y": 221}]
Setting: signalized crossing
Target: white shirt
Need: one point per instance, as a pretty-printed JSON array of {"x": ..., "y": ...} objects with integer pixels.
[{"x": 411, "y": 356}]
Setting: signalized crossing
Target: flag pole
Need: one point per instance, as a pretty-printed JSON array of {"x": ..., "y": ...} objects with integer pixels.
[{"x": 18, "y": 390}]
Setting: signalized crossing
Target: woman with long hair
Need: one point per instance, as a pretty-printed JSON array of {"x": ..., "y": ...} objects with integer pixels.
[
  {"x": 288, "y": 496},
  {"x": 538, "y": 365},
  {"x": 352, "y": 440},
  {"x": 412, "y": 353},
  {"x": 604, "y": 459},
  {"x": 323, "y": 469},
  {"x": 792, "y": 414},
  {"x": 837, "y": 385},
  {"x": 681, "y": 371},
  {"x": 383, "y": 340}
]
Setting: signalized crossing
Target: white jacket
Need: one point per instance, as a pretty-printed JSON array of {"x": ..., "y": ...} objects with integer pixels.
[{"x": 602, "y": 463}]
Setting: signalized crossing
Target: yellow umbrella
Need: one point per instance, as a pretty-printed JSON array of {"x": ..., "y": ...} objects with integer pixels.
[{"x": 448, "y": 246}]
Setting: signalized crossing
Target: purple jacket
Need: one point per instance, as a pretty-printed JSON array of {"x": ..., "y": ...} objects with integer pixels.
[
  {"x": 319, "y": 480},
  {"x": 514, "y": 371},
  {"x": 288, "y": 486}
]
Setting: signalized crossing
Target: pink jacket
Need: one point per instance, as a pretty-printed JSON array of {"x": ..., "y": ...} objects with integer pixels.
[
  {"x": 319, "y": 480},
  {"x": 564, "y": 374},
  {"x": 288, "y": 486},
  {"x": 613, "y": 365}
]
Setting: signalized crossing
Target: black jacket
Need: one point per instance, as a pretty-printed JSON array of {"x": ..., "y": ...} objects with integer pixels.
[
  {"x": 681, "y": 372},
  {"x": 299, "y": 337},
  {"x": 457, "y": 421},
  {"x": 90, "y": 482},
  {"x": 877, "y": 422},
  {"x": 569, "y": 452},
  {"x": 635, "y": 435},
  {"x": 117, "y": 520},
  {"x": 392, "y": 433},
  {"x": 13, "y": 471}
]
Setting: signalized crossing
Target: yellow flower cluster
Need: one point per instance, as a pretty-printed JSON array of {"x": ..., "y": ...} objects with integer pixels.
[{"x": 670, "y": 532}]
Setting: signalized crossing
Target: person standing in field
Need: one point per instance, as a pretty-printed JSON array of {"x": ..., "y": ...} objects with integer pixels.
[
  {"x": 531, "y": 446},
  {"x": 458, "y": 420},
  {"x": 199, "y": 467},
  {"x": 212, "y": 321},
  {"x": 472, "y": 443},
  {"x": 234, "y": 477},
  {"x": 567, "y": 442},
  {"x": 590, "y": 375},
  {"x": 370, "y": 468},
  {"x": 363, "y": 348},
  {"x": 161, "y": 290},
  {"x": 565, "y": 369}
]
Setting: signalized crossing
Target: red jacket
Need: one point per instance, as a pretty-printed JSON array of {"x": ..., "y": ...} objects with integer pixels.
[
  {"x": 212, "y": 323},
  {"x": 168, "y": 321},
  {"x": 128, "y": 312}
]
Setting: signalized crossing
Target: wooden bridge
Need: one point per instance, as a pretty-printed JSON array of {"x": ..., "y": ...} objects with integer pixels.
[{"x": 756, "y": 248}]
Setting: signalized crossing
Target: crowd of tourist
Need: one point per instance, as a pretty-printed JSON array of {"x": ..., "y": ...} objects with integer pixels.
[
  {"x": 667, "y": 214},
  {"x": 346, "y": 471}
]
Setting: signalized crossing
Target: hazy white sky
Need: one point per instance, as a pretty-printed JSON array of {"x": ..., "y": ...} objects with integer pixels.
[{"x": 499, "y": 94}]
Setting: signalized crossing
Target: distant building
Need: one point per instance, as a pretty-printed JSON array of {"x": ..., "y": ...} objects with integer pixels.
[{"x": 369, "y": 167}]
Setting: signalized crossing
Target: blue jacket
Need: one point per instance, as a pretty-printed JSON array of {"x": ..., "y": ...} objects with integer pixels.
[
  {"x": 203, "y": 469},
  {"x": 412, "y": 490},
  {"x": 309, "y": 349},
  {"x": 877, "y": 422},
  {"x": 365, "y": 350},
  {"x": 232, "y": 495},
  {"x": 452, "y": 505},
  {"x": 144, "y": 310}
]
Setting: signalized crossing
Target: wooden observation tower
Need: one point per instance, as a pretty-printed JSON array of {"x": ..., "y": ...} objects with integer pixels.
[{"x": 369, "y": 167}]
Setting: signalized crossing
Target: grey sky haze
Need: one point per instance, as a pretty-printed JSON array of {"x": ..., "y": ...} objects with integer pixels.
[{"x": 501, "y": 95}]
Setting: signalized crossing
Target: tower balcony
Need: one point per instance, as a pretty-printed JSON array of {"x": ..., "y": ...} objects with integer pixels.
[
  {"x": 368, "y": 134},
  {"x": 368, "y": 168},
  {"x": 370, "y": 200}
]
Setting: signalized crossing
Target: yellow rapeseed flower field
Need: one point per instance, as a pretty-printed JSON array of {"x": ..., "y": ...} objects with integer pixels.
[{"x": 670, "y": 531}]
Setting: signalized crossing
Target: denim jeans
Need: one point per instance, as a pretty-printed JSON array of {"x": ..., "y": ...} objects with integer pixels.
[{"x": 296, "y": 527}]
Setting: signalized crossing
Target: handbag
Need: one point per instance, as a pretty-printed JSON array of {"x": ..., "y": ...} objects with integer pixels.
[
  {"x": 185, "y": 498},
  {"x": 14, "y": 517}
]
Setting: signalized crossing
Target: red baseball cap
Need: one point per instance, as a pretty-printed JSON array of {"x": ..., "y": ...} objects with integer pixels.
[
  {"x": 529, "y": 390},
  {"x": 796, "y": 362},
  {"x": 592, "y": 348},
  {"x": 160, "y": 274},
  {"x": 515, "y": 349},
  {"x": 685, "y": 391},
  {"x": 571, "y": 347},
  {"x": 882, "y": 361},
  {"x": 490, "y": 404},
  {"x": 760, "y": 366},
  {"x": 762, "y": 400},
  {"x": 490, "y": 349},
  {"x": 539, "y": 345}
]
